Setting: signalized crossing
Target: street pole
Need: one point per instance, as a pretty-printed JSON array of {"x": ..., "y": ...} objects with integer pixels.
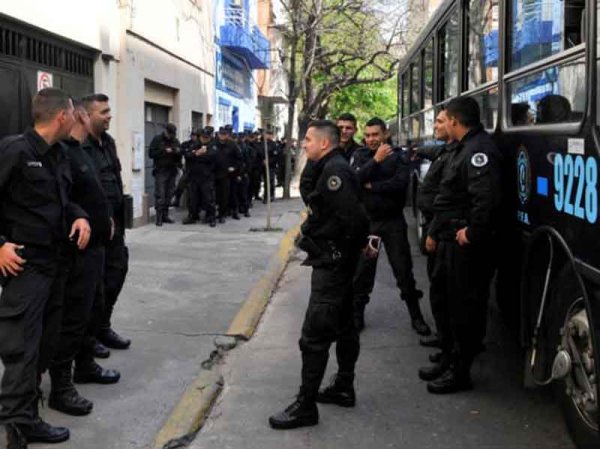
[{"x": 267, "y": 181}]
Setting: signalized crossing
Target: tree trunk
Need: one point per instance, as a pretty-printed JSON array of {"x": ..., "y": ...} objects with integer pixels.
[{"x": 289, "y": 132}]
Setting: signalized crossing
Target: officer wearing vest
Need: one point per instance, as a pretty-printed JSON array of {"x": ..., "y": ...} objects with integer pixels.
[
  {"x": 200, "y": 163},
  {"x": 384, "y": 177},
  {"x": 102, "y": 150},
  {"x": 35, "y": 217},
  {"x": 333, "y": 235},
  {"x": 462, "y": 235}
]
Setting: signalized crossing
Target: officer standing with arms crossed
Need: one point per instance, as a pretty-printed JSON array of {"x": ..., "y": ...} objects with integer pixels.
[
  {"x": 35, "y": 214},
  {"x": 101, "y": 148},
  {"x": 384, "y": 177},
  {"x": 333, "y": 235},
  {"x": 85, "y": 273},
  {"x": 462, "y": 234},
  {"x": 166, "y": 153}
]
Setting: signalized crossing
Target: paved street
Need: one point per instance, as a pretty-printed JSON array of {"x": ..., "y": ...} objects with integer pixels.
[
  {"x": 393, "y": 409},
  {"x": 185, "y": 285}
]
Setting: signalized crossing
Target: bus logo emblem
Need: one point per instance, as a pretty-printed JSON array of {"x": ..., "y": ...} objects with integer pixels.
[{"x": 523, "y": 176}]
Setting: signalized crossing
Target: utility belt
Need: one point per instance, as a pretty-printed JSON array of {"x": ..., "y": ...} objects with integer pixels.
[
  {"x": 321, "y": 252},
  {"x": 449, "y": 229}
]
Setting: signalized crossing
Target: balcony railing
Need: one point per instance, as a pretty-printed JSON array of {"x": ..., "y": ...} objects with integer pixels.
[{"x": 245, "y": 39}]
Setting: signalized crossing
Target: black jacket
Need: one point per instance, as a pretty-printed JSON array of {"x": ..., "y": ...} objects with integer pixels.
[
  {"x": 273, "y": 153},
  {"x": 201, "y": 167},
  {"x": 87, "y": 192},
  {"x": 336, "y": 222},
  {"x": 349, "y": 151},
  {"x": 469, "y": 192},
  {"x": 35, "y": 188},
  {"x": 228, "y": 159},
  {"x": 389, "y": 181},
  {"x": 158, "y": 152},
  {"x": 430, "y": 186},
  {"x": 103, "y": 154}
]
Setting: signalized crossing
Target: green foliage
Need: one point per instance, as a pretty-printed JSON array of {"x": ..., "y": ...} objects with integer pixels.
[{"x": 366, "y": 101}]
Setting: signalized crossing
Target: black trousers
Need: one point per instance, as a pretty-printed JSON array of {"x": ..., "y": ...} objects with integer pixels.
[
  {"x": 30, "y": 320},
  {"x": 255, "y": 176},
  {"x": 271, "y": 182},
  {"x": 235, "y": 187},
  {"x": 116, "y": 266},
  {"x": 182, "y": 184},
  {"x": 393, "y": 233},
  {"x": 461, "y": 282},
  {"x": 329, "y": 319},
  {"x": 164, "y": 187},
  {"x": 85, "y": 274},
  {"x": 202, "y": 196},
  {"x": 222, "y": 190},
  {"x": 244, "y": 194}
]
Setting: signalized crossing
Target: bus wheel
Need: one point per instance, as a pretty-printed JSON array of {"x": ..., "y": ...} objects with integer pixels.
[{"x": 574, "y": 369}]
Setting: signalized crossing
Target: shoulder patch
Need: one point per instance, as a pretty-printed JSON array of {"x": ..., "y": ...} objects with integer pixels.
[
  {"x": 479, "y": 160},
  {"x": 334, "y": 183}
]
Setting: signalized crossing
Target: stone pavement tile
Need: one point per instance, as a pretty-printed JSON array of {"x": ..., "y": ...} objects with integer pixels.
[
  {"x": 185, "y": 284},
  {"x": 393, "y": 408}
]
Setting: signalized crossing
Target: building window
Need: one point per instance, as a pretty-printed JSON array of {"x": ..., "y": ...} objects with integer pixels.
[
  {"x": 235, "y": 79},
  {"x": 449, "y": 40},
  {"x": 483, "y": 42},
  {"x": 224, "y": 114}
]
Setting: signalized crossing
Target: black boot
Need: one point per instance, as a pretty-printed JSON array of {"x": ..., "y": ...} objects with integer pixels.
[
  {"x": 301, "y": 413},
  {"x": 159, "y": 218},
  {"x": 14, "y": 437},
  {"x": 111, "y": 339},
  {"x": 452, "y": 381},
  {"x": 430, "y": 342},
  {"x": 166, "y": 218},
  {"x": 100, "y": 351},
  {"x": 436, "y": 357},
  {"x": 92, "y": 373},
  {"x": 41, "y": 432},
  {"x": 417, "y": 320},
  {"x": 339, "y": 392},
  {"x": 434, "y": 371},
  {"x": 189, "y": 220},
  {"x": 63, "y": 395}
]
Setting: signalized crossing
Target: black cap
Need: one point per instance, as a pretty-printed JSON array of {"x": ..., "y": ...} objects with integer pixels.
[
  {"x": 207, "y": 131},
  {"x": 224, "y": 130},
  {"x": 171, "y": 128}
]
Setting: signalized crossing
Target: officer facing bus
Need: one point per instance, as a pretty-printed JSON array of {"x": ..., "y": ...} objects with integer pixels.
[
  {"x": 332, "y": 235},
  {"x": 462, "y": 234}
]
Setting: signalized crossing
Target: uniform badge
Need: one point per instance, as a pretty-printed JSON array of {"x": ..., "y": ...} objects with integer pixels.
[
  {"x": 479, "y": 160},
  {"x": 34, "y": 164},
  {"x": 334, "y": 183}
]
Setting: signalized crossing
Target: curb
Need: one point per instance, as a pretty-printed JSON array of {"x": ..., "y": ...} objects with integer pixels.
[
  {"x": 190, "y": 413},
  {"x": 245, "y": 322}
]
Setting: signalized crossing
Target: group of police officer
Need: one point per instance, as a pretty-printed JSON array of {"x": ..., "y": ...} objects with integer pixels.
[
  {"x": 63, "y": 261},
  {"x": 222, "y": 175},
  {"x": 355, "y": 197}
]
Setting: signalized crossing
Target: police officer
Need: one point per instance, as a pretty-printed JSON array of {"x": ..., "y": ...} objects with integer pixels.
[
  {"x": 462, "y": 235},
  {"x": 346, "y": 122},
  {"x": 200, "y": 161},
  {"x": 247, "y": 162},
  {"x": 35, "y": 215},
  {"x": 85, "y": 274},
  {"x": 165, "y": 151},
  {"x": 384, "y": 177},
  {"x": 333, "y": 235},
  {"x": 228, "y": 159},
  {"x": 101, "y": 148},
  {"x": 256, "y": 151},
  {"x": 184, "y": 182},
  {"x": 428, "y": 190},
  {"x": 273, "y": 156}
]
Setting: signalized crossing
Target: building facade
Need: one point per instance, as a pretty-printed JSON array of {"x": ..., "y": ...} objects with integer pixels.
[
  {"x": 155, "y": 60},
  {"x": 242, "y": 50}
]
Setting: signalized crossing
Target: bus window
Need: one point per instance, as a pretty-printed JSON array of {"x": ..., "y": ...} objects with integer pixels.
[
  {"x": 553, "y": 95},
  {"x": 428, "y": 75},
  {"x": 488, "y": 104},
  {"x": 539, "y": 29},
  {"x": 415, "y": 86},
  {"x": 405, "y": 96},
  {"x": 449, "y": 39},
  {"x": 483, "y": 42}
]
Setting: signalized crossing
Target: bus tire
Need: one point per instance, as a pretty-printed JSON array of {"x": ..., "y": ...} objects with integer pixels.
[{"x": 566, "y": 305}]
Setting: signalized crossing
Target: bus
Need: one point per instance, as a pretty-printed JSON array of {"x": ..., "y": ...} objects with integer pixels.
[{"x": 532, "y": 65}]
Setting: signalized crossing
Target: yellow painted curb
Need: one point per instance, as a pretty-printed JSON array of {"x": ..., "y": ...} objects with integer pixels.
[
  {"x": 193, "y": 407},
  {"x": 245, "y": 322}
]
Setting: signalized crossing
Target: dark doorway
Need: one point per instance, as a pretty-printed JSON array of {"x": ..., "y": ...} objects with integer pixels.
[{"x": 156, "y": 120}]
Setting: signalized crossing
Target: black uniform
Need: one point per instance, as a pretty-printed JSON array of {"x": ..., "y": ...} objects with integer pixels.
[
  {"x": 273, "y": 153},
  {"x": 103, "y": 154},
  {"x": 86, "y": 267},
  {"x": 384, "y": 202},
  {"x": 333, "y": 235},
  {"x": 468, "y": 197},
  {"x": 35, "y": 211},
  {"x": 227, "y": 163},
  {"x": 236, "y": 180},
  {"x": 165, "y": 170},
  {"x": 201, "y": 169},
  {"x": 349, "y": 151},
  {"x": 255, "y": 169},
  {"x": 184, "y": 181}
]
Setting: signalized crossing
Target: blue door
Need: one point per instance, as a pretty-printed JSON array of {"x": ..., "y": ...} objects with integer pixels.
[{"x": 235, "y": 119}]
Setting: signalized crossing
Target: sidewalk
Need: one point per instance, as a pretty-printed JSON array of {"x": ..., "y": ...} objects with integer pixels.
[
  {"x": 393, "y": 408},
  {"x": 185, "y": 285}
]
